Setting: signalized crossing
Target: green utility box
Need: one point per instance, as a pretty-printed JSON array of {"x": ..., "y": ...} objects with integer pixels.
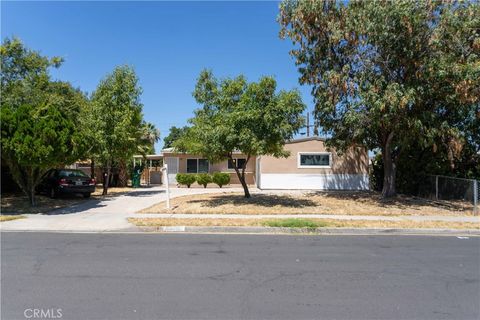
[{"x": 136, "y": 178}]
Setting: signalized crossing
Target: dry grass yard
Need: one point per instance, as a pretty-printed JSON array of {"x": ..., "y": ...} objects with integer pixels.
[
  {"x": 330, "y": 223},
  {"x": 345, "y": 203},
  {"x": 10, "y": 217},
  {"x": 17, "y": 203}
]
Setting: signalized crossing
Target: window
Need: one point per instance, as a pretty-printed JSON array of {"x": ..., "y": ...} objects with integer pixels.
[
  {"x": 239, "y": 161},
  {"x": 197, "y": 166},
  {"x": 72, "y": 173},
  {"x": 314, "y": 160},
  {"x": 202, "y": 166},
  {"x": 192, "y": 165}
]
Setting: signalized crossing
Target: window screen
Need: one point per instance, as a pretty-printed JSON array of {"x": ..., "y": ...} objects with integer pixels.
[{"x": 314, "y": 160}]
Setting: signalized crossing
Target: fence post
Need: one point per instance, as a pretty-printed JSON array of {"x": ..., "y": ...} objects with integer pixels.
[
  {"x": 475, "y": 197},
  {"x": 436, "y": 187}
]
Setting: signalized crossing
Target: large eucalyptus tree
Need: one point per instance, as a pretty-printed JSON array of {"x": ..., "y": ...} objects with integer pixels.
[{"x": 385, "y": 74}]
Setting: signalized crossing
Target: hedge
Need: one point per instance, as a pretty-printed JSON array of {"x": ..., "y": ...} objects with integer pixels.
[
  {"x": 221, "y": 178},
  {"x": 204, "y": 179},
  {"x": 186, "y": 179}
]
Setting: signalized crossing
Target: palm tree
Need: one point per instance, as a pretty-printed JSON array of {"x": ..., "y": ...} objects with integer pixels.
[{"x": 148, "y": 134}]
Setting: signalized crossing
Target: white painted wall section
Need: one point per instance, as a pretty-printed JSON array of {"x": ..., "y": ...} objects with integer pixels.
[{"x": 314, "y": 181}]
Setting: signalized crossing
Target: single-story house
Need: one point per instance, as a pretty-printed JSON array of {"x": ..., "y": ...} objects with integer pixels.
[{"x": 309, "y": 166}]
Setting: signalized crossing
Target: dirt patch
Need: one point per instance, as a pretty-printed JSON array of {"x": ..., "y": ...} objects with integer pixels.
[
  {"x": 332, "y": 223},
  {"x": 345, "y": 203}
]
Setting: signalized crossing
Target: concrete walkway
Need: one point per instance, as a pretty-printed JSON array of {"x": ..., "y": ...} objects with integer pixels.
[
  {"x": 311, "y": 216},
  {"x": 107, "y": 214}
]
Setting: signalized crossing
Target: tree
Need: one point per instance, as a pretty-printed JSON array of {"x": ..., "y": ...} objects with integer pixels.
[
  {"x": 239, "y": 116},
  {"x": 149, "y": 136},
  {"x": 174, "y": 134},
  {"x": 387, "y": 74},
  {"x": 39, "y": 128},
  {"x": 116, "y": 120}
]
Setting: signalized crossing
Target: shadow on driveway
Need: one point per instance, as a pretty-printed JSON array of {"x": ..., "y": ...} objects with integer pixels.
[
  {"x": 102, "y": 201},
  {"x": 146, "y": 193}
]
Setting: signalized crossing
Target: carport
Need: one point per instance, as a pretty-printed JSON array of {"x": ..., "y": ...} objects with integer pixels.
[{"x": 152, "y": 174}]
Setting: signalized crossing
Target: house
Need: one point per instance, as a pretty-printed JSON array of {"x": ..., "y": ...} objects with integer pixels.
[{"x": 309, "y": 166}]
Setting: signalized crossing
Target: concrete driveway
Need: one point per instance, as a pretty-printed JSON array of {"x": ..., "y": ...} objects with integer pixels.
[{"x": 108, "y": 214}]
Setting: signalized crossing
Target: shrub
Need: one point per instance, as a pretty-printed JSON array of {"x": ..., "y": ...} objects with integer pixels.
[
  {"x": 221, "y": 178},
  {"x": 204, "y": 179},
  {"x": 186, "y": 179}
]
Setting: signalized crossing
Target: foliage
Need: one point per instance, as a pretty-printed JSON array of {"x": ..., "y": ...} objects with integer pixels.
[
  {"x": 389, "y": 74},
  {"x": 416, "y": 163},
  {"x": 203, "y": 179},
  {"x": 186, "y": 179},
  {"x": 221, "y": 178},
  {"x": 174, "y": 134},
  {"x": 39, "y": 116},
  {"x": 115, "y": 119},
  {"x": 149, "y": 136},
  {"x": 240, "y": 116}
]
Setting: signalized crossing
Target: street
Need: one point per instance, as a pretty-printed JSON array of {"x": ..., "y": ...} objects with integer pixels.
[{"x": 182, "y": 276}]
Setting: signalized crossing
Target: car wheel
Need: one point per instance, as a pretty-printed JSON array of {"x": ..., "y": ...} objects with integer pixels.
[
  {"x": 86, "y": 195},
  {"x": 53, "y": 193}
]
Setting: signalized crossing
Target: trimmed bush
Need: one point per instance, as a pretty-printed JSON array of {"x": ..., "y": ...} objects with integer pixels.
[
  {"x": 186, "y": 179},
  {"x": 221, "y": 178},
  {"x": 204, "y": 179}
]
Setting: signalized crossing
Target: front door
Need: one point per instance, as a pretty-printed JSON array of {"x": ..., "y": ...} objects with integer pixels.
[{"x": 172, "y": 163}]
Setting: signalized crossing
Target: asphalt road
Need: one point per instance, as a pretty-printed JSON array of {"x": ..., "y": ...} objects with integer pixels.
[{"x": 155, "y": 276}]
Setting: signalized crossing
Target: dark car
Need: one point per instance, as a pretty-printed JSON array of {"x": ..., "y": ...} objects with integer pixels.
[{"x": 61, "y": 181}]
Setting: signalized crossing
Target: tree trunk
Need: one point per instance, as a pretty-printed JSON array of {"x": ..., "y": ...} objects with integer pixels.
[
  {"x": 31, "y": 197},
  {"x": 241, "y": 177},
  {"x": 106, "y": 179},
  {"x": 389, "y": 170},
  {"x": 92, "y": 168},
  {"x": 122, "y": 174},
  {"x": 26, "y": 178}
]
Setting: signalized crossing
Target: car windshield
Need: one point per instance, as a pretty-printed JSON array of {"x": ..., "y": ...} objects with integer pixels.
[{"x": 72, "y": 173}]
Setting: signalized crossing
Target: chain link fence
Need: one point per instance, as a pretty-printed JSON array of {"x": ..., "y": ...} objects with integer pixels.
[{"x": 451, "y": 189}]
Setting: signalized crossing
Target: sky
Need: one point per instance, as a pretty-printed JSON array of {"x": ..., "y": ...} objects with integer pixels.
[{"x": 167, "y": 43}]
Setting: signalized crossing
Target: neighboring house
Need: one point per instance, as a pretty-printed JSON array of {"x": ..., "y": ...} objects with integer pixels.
[{"x": 309, "y": 166}]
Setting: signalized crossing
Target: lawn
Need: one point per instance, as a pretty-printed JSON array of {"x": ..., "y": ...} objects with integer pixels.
[
  {"x": 302, "y": 223},
  {"x": 344, "y": 203},
  {"x": 17, "y": 203}
]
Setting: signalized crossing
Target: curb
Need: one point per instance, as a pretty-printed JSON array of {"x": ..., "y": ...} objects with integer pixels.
[{"x": 308, "y": 231}]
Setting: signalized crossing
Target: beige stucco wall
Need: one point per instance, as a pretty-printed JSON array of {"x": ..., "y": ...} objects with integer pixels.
[
  {"x": 217, "y": 167},
  {"x": 354, "y": 161}
]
